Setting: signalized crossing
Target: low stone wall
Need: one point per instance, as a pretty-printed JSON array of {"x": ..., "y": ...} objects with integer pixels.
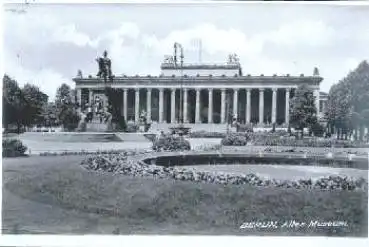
[
  {"x": 70, "y": 137},
  {"x": 124, "y": 164},
  {"x": 133, "y": 137}
]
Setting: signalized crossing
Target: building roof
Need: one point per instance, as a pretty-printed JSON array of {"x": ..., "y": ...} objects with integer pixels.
[{"x": 201, "y": 66}]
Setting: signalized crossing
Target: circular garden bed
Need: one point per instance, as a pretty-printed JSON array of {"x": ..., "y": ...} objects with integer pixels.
[{"x": 168, "y": 166}]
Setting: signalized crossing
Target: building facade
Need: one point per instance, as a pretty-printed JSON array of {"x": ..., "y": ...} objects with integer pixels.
[{"x": 211, "y": 93}]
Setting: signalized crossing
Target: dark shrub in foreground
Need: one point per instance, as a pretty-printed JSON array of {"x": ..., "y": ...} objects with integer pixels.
[
  {"x": 132, "y": 127},
  {"x": 205, "y": 134},
  {"x": 171, "y": 143},
  {"x": 235, "y": 139},
  {"x": 318, "y": 130},
  {"x": 13, "y": 148}
]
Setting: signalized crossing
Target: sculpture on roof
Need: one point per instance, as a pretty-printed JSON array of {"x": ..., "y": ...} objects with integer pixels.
[
  {"x": 316, "y": 72},
  {"x": 79, "y": 73},
  {"x": 233, "y": 59},
  {"x": 104, "y": 67},
  {"x": 168, "y": 59}
]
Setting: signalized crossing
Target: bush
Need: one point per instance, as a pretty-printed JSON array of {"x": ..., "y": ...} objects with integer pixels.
[
  {"x": 121, "y": 124},
  {"x": 132, "y": 127},
  {"x": 206, "y": 134},
  {"x": 70, "y": 118},
  {"x": 317, "y": 129},
  {"x": 234, "y": 139},
  {"x": 13, "y": 148},
  {"x": 245, "y": 128},
  {"x": 171, "y": 143}
]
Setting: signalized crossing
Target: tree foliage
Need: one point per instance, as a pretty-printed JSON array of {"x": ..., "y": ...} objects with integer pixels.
[
  {"x": 66, "y": 110},
  {"x": 36, "y": 101},
  {"x": 303, "y": 111},
  {"x": 22, "y": 106},
  {"x": 348, "y": 101}
]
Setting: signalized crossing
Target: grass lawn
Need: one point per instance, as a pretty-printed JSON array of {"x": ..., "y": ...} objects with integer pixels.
[{"x": 130, "y": 205}]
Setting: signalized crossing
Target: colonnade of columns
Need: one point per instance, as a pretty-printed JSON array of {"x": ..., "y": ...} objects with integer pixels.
[
  {"x": 210, "y": 104},
  {"x": 223, "y": 99}
]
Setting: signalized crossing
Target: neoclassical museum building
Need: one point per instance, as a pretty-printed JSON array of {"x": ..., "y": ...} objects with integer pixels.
[{"x": 211, "y": 93}]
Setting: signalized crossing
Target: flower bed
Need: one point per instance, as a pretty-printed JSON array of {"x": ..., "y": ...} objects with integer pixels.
[
  {"x": 171, "y": 143},
  {"x": 205, "y": 134},
  {"x": 235, "y": 139},
  {"x": 122, "y": 164},
  {"x": 13, "y": 148}
]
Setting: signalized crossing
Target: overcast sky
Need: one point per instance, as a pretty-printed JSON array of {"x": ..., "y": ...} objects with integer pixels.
[{"x": 47, "y": 44}]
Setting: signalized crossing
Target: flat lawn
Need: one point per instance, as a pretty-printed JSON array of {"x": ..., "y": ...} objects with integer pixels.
[{"x": 56, "y": 195}]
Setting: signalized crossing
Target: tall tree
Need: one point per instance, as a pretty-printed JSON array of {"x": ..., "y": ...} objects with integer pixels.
[
  {"x": 66, "y": 111},
  {"x": 36, "y": 100},
  {"x": 22, "y": 106},
  {"x": 13, "y": 103},
  {"x": 63, "y": 94},
  {"x": 347, "y": 98},
  {"x": 49, "y": 114},
  {"x": 303, "y": 113}
]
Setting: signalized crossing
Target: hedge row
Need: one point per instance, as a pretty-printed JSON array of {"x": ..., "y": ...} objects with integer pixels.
[{"x": 280, "y": 139}]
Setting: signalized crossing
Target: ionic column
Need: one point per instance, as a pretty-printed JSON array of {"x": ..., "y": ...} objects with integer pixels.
[
  {"x": 79, "y": 97},
  {"x": 287, "y": 114},
  {"x": 125, "y": 106},
  {"x": 316, "y": 95},
  {"x": 222, "y": 107},
  {"x": 185, "y": 105},
  {"x": 235, "y": 102},
  {"x": 137, "y": 105},
  {"x": 274, "y": 105},
  {"x": 90, "y": 97},
  {"x": 248, "y": 105},
  {"x": 261, "y": 105},
  {"x": 148, "y": 104},
  {"x": 161, "y": 105},
  {"x": 197, "y": 114},
  {"x": 173, "y": 106},
  {"x": 210, "y": 108}
]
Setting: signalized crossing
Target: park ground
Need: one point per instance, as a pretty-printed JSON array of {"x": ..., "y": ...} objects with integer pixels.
[{"x": 55, "y": 195}]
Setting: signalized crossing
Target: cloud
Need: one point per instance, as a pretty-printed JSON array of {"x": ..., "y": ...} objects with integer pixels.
[
  {"x": 69, "y": 34},
  {"x": 302, "y": 32},
  {"x": 54, "y": 47},
  {"x": 214, "y": 40},
  {"x": 47, "y": 79}
]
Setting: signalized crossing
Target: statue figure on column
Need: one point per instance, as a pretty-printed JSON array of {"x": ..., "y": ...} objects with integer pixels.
[
  {"x": 316, "y": 71},
  {"x": 104, "y": 67}
]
